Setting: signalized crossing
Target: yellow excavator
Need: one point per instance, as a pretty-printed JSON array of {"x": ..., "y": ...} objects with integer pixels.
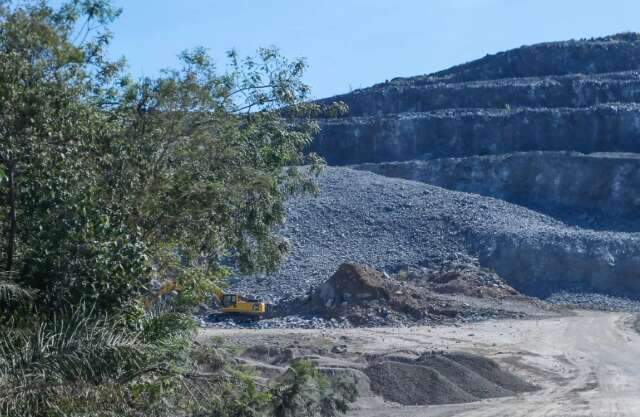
[
  {"x": 231, "y": 304},
  {"x": 236, "y": 305}
]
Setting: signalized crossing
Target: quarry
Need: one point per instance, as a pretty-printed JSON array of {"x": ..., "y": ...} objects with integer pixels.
[
  {"x": 474, "y": 248},
  {"x": 355, "y": 208},
  {"x": 526, "y": 161}
]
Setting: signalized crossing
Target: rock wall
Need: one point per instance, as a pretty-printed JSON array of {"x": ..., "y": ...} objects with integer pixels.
[
  {"x": 594, "y": 183},
  {"x": 557, "y": 91},
  {"x": 468, "y": 132},
  {"x": 620, "y": 52},
  {"x": 550, "y": 262}
]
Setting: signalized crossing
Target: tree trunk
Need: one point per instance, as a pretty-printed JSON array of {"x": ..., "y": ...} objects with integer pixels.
[{"x": 13, "y": 227}]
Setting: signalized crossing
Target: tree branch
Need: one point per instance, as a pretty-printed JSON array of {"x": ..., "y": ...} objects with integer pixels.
[{"x": 252, "y": 87}]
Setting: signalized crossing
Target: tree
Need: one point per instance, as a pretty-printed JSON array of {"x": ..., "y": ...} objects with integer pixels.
[
  {"x": 51, "y": 127},
  {"x": 108, "y": 182},
  {"x": 205, "y": 161}
]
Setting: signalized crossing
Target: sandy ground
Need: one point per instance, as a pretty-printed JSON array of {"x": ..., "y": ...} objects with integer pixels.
[{"x": 586, "y": 365}]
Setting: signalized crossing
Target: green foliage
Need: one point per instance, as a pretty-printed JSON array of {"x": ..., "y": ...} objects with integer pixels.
[
  {"x": 109, "y": 183},
  {"x": 56, "y": 236},
  {"x": 106, "y": 178},
  {"x": 84, "y": 364},
  {"x": 301, "y": 391},
  {"x": 201, "y": 163},
  {"x": 305, "y": 391}
]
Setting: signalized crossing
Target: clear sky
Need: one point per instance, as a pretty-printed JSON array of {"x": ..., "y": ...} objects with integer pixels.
[{"x": 356, "y": 43}]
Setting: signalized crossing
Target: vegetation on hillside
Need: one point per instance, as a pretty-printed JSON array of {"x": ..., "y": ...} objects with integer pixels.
[{"x": 108, "y": 183}]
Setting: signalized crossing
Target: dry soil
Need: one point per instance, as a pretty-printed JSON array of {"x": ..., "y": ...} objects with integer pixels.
[{"x": 585, "y": 365}]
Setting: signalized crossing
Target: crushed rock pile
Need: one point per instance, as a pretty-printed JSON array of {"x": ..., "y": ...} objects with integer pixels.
[
  {"x": 392, "y": 224},
  {"x": 438, "y": 378},
  {"x": 459, "y": 278},
  {"x": 592, "y": 301},
  {"x": 405, "y": 377}
]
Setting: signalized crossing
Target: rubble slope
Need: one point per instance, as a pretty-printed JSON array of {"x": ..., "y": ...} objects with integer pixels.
[{"x": 393, "y": 223}]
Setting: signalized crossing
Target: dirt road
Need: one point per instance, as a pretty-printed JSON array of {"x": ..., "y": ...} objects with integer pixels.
[{"x": 586, "y": 365}]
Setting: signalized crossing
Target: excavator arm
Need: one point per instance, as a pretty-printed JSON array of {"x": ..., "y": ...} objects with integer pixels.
[{"x": 218, "y": 295}]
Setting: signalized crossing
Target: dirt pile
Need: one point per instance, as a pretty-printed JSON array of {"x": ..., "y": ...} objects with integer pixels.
[
  {"x": 352, "y": 284},
  {"x": 465, "y": 279},
  {"x": 441, "y": 379},
  {"x": 357, "y": 289},
  {"x": 363, "y": 296}
]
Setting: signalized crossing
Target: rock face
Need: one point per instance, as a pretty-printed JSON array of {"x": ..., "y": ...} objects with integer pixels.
[
  {"x": 586, "y": 56},
  {"x": 562, "y": 96},
  {"x": 575, "y": 90},
  {"x": 470, "y": 132},
  {"x": 604, "y": 184}
]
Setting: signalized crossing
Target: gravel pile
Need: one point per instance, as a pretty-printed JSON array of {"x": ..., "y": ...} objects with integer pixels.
[
  {"x": 442, "y": 379},
  {"x": 594, "y": 301},
  {"x": 393, "y": 224}
]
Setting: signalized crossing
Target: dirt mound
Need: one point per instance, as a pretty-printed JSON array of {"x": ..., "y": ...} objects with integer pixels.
[
  {"x": 413, "y": 384},
  {"x": 364, "y": 296},
  {"x": 491, "y": 370},
  {"x": 466, "y": 279},
  {"x": 442, "y": 379},
  {"x": 362, "y": 293},
  {"x": 354, "y": 284}
]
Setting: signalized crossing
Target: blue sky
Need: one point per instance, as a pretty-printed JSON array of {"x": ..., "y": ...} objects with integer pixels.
[{"x": 356, "y": 43}]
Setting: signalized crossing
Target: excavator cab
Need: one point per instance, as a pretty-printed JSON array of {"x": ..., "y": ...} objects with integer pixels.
[{"x": 229, "y": 300}]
